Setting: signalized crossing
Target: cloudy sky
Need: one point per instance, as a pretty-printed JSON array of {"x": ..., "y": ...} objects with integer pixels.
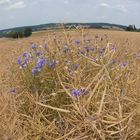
[{"x": 15, "y": 13}]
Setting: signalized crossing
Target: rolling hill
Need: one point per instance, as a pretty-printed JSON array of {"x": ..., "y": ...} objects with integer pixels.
[{"x": 67, "y": 25}]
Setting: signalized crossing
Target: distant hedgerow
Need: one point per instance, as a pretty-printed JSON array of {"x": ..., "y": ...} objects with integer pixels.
[{"x": 19, "y": 34}]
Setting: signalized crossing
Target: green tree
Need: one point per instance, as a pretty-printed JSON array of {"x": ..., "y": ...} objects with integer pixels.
[
  {"x": 131, "y": 28},
  {"x": 27, "y": 32},
  {"x": 15, "y": 34}
]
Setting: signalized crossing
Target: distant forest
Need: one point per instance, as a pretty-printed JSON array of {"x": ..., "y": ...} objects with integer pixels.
[{"x": 20, "y": 32}]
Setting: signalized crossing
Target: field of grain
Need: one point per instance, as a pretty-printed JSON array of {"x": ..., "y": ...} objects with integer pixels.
[{"x": 88, "y": 86}]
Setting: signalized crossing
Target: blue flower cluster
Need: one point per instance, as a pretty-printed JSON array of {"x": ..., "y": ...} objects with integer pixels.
[
  {"x": 37, "y": 56},
  {"x": 40, "y": 55},
  {"x": 39, "y": 65},
  {"x": 24, "y": 60}
]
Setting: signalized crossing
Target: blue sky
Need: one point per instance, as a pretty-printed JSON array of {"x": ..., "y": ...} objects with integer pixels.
[{"x": 15, "y": 13}]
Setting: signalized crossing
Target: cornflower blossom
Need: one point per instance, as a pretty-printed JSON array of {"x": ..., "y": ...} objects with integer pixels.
[
  {"x": 24, "y": 60},
  {"x": 52, "y": 64},
  {"x": 41, "y": 63},
  {"x": 125, "y": 64},
  {"x": 12, "y": 90},
  {"x": 113, "y": 48},
  {"x": 33, "y": 46},
  {"x": 39, "y": 66},
  {"x": 22, "y": 63},
  {"x": 75, "y": 66},
  {"x": 38, "y": 53},
  {"x": 78, "y": 92},
  {"x": 77, "y": 42},
  {"x": 35, "y": 71}
]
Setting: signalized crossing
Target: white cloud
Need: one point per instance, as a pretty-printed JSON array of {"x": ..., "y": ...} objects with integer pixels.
[
  {"x": 16, "y": 5},
  {"x": 5, "y": 1},
  {"x": 66, "y": 1},
  {"x": 118, "y": 7},
  {"x": 121, "y": 8},
  {"x": 105, "y": 5},
  {"x": 116, "y": 11}
]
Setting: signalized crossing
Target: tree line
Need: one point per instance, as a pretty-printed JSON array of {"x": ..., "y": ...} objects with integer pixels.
[
  {"x": 19, "y": 34},
  {"x": 132, "y": 28}
]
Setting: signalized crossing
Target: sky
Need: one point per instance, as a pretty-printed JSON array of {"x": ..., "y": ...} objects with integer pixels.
[{"x": 15, "y": 13}]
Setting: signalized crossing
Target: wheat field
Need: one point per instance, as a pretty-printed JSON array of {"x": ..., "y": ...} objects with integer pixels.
[{"x": 80, "y": 84}]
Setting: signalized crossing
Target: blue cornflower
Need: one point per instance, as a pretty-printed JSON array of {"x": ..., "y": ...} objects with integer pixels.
[
  {"x": 41, "y": 63},
  {"x": 125, "y": 64},
  {"x": 76, "y": 92},
  {"x": 39, "y": 66},
  {"x": 87, "y": 48},
  {"x": 114, "y": 48},
  {"x": 52, "y": 64},
  {"x": 33, "y": 46},
  {"x": 23, "y": 63},
  {"x": 25, "y": 54},
  {"x": 26, "y": 61},
  {"x": 35, "y": 71},
  {"x": 19, "y": 61},
  {"x": 38, "y": 53},
  {"x": 77, "y": 42},
  {"x": 12, "y": 90}
]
